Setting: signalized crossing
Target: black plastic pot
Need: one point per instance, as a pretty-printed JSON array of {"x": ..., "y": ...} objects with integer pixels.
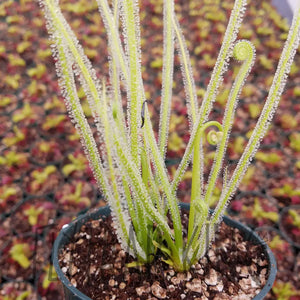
[{"x": 68, "y": 231}]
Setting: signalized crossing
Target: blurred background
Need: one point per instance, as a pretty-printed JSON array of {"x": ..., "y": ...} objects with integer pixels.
[{"x": 45, "y": 180}]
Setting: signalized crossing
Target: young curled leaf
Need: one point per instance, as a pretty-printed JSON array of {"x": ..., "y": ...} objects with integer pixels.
[
  {"x": 243, "y": 50},
  {"x": 214, "y": 137}
]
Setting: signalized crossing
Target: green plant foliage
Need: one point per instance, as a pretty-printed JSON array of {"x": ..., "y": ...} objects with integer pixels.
[
  {"x": 38, "y": 71},
  {"x": 39, "y": 177},
  {"x": 13, "y": 158},
  {"x": 76, "y": 164},
  {"x": 295, "y": 141},
  {"x": 286, "y": 190},
  {"x": 259, "y": 213},
  {"x": 50, "y": 275},
  {"x": 270, "y": 158},
  {"x": 21, "y": 253},
  {"x": 284, "y": 291},
  {"x": 33, "y": 213},
  {"x": 52, "y": 121},
  {"x": 17, "y": 137},
  {"x": 129, "y": 165},
  {"x": 295, "y": 217},
  {"x": 288, "y": 121},
  {"x": 76, "y": 197},
  {"x": 21, "y": 296},
  {"x": 26, "y": 112},
  {"x": 7, "y": 192},
  {"x": 5, "y": 101},
  {"x": 254, "y": 110},
  {"x": 277, "y": 243}
]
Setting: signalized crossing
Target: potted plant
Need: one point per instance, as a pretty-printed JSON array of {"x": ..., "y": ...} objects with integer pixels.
[
  {"x": 129, "y": 165},
  {"x": 41, "y": 180},
  {"x": 283, "y": 252},
  {"x": 11, "y": 195},
  {"x": 255, "y": 209},
  {"x": 22, "y": 256},
  {"x": 14, "y": 164},
  {"x": 47, "y": 286},
  {"x": 46, "y": 152},
  {"x": 32, "y": 215},
  {"x": 75, "y": 196}
]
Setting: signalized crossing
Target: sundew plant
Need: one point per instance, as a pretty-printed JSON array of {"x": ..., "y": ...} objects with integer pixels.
[{"x": 127, "y": 160}]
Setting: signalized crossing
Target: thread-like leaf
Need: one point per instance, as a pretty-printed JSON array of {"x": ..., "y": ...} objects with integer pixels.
[
  {"x": 130, "y": 21},
  {"x": 64, "y": 44},
  {"x": 115, "y": 73},
  {"x": 114, "y": 40},
  {"x": 117, "y": 167},
  {"x": 187, "y": 73},
  {"x": 148, "y": 132},
  {"x": 167, "y": 76},
  {"x": 196, "y": 199},
  {"x": 243, "y": 51},
  {"x": 215, "y": 81},
  {"x": 143, "y": 195},
  {"x": 284, "y": 65},
  {"x": 161, "y": 173}
]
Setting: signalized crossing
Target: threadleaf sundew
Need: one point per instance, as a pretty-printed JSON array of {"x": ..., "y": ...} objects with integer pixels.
[{"x": 129, "y": 163}]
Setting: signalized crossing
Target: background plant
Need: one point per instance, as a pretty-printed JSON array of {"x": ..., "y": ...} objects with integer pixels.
[{"x": 129, "y": 163}]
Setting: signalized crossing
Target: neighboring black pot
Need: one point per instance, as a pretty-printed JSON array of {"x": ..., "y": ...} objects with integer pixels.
[
  {"x": 283, "y": 230},
  {"x": 65, "y": 235}
]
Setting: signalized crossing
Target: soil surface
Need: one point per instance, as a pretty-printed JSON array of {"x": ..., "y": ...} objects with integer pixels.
[{"x": 96, "y": 265}]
